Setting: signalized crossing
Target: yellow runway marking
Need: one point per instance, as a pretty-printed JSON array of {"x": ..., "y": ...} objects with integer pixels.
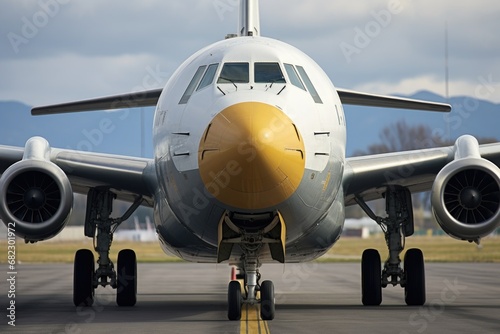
[{"x": 251, "y": 321}]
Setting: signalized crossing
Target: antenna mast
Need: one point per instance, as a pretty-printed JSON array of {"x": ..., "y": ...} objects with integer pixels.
[
  {"x": 446, "y": 68},
  {"x": 447, "y": 73},
  {"x": 249, "y": 24}
]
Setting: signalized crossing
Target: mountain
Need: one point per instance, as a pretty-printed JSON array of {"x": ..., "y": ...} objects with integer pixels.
[
  {"x": 120, "y": 132},
  {"x": 468, "y": 116},
  {"x": 107, "y": 132}
]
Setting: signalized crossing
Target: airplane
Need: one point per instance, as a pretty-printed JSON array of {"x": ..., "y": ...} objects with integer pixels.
[{"x": 249, "y": 167}]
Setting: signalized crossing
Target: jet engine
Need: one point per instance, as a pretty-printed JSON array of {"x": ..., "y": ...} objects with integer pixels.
[
  {"x": 466, "y": 198},
  {"x": 35, "y": 195}
]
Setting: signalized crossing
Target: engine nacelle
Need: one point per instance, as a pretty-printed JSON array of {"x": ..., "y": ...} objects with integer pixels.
[
  {"x": 37, "y": 196},
  {"x": 466, "y": 198}
]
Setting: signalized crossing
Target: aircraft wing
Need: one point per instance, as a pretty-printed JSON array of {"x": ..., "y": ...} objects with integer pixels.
[
  {"x": 385, "y": 101},
  {"x": 128, "y": 177},
  {"x": 147, "y": 98},
  {"x": 150, "y": 98},
  {"x": 368, "y": 176}
]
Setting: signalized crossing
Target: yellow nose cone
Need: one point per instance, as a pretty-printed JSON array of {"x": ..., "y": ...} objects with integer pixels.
[{"x": 251, "y": 156}]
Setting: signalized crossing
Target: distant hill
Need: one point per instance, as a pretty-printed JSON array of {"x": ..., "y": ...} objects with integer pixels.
[
  {"x": 108, "y": 132},
  {"x": 468, "y": 116},
  {"x": 120, "y": 132}
]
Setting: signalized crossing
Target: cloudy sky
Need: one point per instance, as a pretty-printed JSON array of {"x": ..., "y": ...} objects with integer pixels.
[{"x": 59, "y": 50}]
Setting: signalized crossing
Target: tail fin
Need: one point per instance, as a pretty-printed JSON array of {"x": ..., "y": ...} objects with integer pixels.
[{"x": 249, "y": 18}]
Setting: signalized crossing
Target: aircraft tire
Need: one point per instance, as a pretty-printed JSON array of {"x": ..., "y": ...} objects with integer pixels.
[
  {"x": 126, "y": 292},
  {"x": 415, "y": 277},
  {"x": 234, "y": 300},
  {"x": 83, "y": 278},
  {"x": 371, "y": 278},
  {"x": 267, "y": 300}
]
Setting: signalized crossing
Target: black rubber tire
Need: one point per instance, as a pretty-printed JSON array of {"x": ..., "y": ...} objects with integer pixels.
[
  {"x": 267, "y": 305},
  {"x": 415, "y": 277},
  {"x": 126, "y": 276},
  {"x": 234, "y": 300},
  {"x": 371, "y": 278},
  {"x": 83, "y": 278}
]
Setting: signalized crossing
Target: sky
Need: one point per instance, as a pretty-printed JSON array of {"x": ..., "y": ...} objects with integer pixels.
[{"x": 61, "y": 50}]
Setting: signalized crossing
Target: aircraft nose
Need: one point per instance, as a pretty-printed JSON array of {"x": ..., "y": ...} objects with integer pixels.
[{"x": 251, "y": 156}]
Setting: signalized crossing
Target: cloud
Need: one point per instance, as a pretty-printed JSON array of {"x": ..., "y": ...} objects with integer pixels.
[
  {"x": 483, "y": 88},
  {"x": 88, "y": 48},
  {"x": 72, "y": 76}
]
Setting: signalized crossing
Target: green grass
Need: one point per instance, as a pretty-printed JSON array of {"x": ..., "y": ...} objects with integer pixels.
[
  {"x": 64, "y": 252},
  {"x": 436, "y": 249}
]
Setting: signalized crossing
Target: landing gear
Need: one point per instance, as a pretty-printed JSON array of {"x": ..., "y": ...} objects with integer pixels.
[
  {"x": 265, "y": 229},
  {"x": 251, "y": 288},
  {"x": 397, "y": 225},
  {"x": 235, "y": 300},
  {"x": 100, "y": 226}
]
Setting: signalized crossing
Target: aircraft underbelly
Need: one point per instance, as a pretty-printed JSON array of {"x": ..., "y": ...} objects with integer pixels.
[{"x": 313, "y": 216}]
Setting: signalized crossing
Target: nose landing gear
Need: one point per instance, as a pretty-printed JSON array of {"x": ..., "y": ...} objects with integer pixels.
[
  {"x": 271, "y": 232},
  {"x": 250, "y": 296}
]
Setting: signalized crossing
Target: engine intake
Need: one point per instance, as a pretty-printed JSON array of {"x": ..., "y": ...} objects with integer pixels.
[
  {"x": 466, "y": 198},
  {"x": 36, "y": 195}
]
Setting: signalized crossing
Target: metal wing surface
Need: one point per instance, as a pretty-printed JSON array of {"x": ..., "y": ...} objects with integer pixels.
[
  {"x": 127, "y": 176},
  {"x": 368, "y": 176}
]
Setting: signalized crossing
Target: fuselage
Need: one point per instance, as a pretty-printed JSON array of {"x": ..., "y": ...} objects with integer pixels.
[{"x": 249, "y": 126}]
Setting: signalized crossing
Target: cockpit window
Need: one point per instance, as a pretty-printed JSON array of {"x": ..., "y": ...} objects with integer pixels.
[
  {"x": 268, "y": 73},
  {"x": 293, "y": 76},
  {"x": 309, "y": 84},
  {"x": 208, "y": 78},
  {"x": 192, "y": 85},
  {"x": 234, "y": 73}
]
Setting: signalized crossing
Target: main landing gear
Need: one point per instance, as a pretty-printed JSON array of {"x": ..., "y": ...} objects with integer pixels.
[
  {"x": 100, "y": 226},
  {"x": 397, "y": 225}
]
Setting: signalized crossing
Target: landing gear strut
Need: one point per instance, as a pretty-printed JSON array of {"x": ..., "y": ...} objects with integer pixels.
[
  {"x": 396, "y": 226},
  {"x": 233, "y": 230},
  {"x": 252, "y": 287},
  {"x": 100, "y": 226}
]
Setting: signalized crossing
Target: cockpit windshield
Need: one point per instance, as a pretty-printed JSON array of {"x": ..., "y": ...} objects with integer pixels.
[
  {"x": 268, "y": 73},
  {"x": 234, "y": 73}
]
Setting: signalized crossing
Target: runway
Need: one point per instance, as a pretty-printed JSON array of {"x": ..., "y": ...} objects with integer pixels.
[{"x": 310, "y": 298}]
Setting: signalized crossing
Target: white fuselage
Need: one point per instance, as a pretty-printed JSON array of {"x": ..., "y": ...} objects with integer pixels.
[{"x": 251, "y": 145}]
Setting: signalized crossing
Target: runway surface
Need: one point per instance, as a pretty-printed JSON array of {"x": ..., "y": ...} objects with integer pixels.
[{"x": 310, "y": 298}]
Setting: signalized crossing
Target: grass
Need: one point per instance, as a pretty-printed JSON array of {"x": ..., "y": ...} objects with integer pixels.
[
  {"x": 64, "y": 252},
  {"x": 436, "y": 249}
]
